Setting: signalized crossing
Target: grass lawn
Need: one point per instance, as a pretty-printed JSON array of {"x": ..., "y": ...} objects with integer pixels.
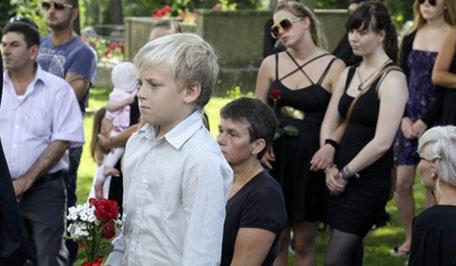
[{"x": 377, "y": 244}]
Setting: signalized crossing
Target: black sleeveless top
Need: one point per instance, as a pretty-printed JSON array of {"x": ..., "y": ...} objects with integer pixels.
[
  {"x": 361, "y": 127},
  {"x": 312, "y": 100}
]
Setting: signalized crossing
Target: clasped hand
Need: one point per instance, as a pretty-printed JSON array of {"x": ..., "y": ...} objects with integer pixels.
[
  {"x": 322, "y": 158},
  {"x": 334, "y": 182},
  {"x": 412, "y": 130}
]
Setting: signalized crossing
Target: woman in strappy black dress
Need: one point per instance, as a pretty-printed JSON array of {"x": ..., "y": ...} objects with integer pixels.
[
  {"x": 363, "y": 117},
  {"x": 298, "y": 84}
]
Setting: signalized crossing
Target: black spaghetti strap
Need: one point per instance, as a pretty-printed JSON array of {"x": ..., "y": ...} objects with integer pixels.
[
  {"x": 325, "y": 72},
  {"x": 277, "y": 65},
  {"x": 351, "y": 73},
  {"x": 300, "y": 67},
  {"x": 380, "y": 79}
]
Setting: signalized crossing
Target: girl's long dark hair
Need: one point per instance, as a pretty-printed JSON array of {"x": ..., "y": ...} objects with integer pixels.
[{"x": 373, "y": 15}]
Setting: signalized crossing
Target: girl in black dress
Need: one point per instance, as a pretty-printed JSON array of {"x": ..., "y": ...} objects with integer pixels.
[
  {"x": 298, "y": 83},
  {"x": 359, "y": 183},
  {"x": 433, "y": 231}
]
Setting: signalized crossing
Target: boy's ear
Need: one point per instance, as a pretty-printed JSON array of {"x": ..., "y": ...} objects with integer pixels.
[{"x": 192, "y": 92}]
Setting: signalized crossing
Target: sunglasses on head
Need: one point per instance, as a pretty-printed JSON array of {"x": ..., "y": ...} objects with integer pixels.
[
  {"x": 57, "y": 6},
  {"x": 23, "y": 20},
  {"x": 284, "y": 24},
  {"x": 431, "y": 2}
]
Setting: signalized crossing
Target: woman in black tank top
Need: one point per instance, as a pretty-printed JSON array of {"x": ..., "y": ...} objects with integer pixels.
[
  {"x": 361, "y": 122},
  {"x": 298, "y": 84}
]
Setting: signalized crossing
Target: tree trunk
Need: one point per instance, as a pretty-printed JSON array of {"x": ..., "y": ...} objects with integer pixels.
[{"x": 115, "y": 12}]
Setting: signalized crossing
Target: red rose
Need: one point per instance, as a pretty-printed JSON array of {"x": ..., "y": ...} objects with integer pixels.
[
  {"x": 276, "y": 94},
  {"x": 109, "y": 230},
  {"x": 105, "y": 210}
]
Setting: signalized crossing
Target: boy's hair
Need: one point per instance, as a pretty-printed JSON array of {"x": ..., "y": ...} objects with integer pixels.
[
  {"x": 260, "y": 118},
  {"x": 27, "y": 27},
  {"x": 189, "y": 58}
]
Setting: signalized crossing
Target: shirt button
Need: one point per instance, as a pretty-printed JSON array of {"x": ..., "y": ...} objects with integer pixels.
[
  {"x": 144, "y": 180},
  {"x": 16, "y": 127},
  {"x": 14, "y": 145}
]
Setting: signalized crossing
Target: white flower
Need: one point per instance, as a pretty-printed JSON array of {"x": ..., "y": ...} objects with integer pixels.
[{"x": 83, "y": 217}]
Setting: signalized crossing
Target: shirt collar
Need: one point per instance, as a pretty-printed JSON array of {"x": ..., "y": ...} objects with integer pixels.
[
  {"x": 180, "y": 133},
  {"x": 39, "y": 77}
]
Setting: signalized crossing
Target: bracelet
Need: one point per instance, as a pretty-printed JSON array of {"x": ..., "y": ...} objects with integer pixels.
[
  {"x": 332, "y": 143},
  {"x": 347, "y": 174}
]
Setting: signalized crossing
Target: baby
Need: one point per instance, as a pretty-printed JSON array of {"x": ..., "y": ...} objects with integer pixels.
[{"x": 117, "y": 118}]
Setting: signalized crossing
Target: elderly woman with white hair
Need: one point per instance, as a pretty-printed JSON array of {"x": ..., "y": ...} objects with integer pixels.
[{"x": 434, "y": 230}]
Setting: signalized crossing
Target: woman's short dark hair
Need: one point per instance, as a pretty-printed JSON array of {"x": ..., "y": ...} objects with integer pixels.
[
  {"x": 373, "y": 15},
  {"x": 25, "y": 26},
  {"x": 260, "y": 117}
]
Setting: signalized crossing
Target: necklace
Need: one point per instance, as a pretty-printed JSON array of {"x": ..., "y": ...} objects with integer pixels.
[{"x": 361, "y": 81}]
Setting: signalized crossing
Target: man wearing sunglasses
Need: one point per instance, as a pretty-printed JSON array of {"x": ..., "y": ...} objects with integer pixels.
[{"x": 64, "y": 54}]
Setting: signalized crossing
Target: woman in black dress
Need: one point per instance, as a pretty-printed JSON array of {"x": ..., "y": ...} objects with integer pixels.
[
  {"x": 298, "y": 83},
  {"x": 434, "y": 231},
  {"x": 376, "y": 96},
  {"x": 255, "y": 211}
]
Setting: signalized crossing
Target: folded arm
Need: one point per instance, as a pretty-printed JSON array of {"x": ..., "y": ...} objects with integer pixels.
[{"x": 441, "y": 74}]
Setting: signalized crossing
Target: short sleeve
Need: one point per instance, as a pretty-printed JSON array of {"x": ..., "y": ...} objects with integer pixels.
[
  {"x": 66, "y": 118},
  {"x": 83, "y": 62},
  {"x": 265, "y": 209}
]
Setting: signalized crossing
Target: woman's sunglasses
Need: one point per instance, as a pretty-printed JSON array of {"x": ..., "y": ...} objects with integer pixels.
[
  {"x": 431, "y": 2},
  {"x": 284, "y": 24},
  {"x": 57, "y": 6},
  {"x": 416, "y": 155}
]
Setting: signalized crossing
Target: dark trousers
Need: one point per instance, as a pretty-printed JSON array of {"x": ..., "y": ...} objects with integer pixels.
[
  {"x": 70, "y": 182},
  {"x": 43, "y": 210}
]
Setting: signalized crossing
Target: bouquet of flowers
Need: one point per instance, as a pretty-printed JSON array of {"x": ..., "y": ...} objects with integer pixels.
[{"x": 93, "y": 224}]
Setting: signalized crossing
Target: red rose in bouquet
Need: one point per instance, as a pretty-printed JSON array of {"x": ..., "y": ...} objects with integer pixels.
[
  {"x": 105, "y": 210},
  {"x": 109, "y": 230}
]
